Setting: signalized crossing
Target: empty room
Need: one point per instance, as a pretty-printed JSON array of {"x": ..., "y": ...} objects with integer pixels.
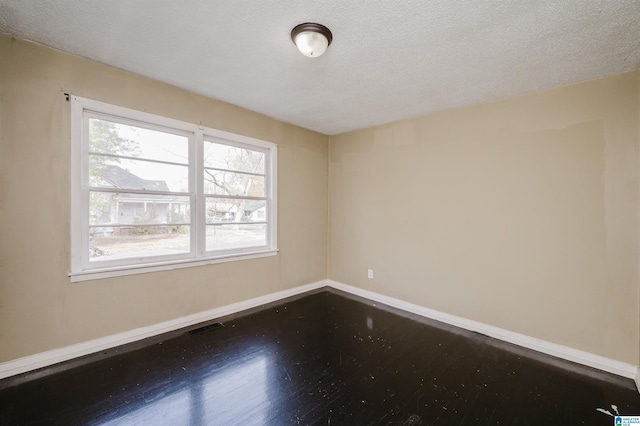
[{"x": 319, "y": 212}]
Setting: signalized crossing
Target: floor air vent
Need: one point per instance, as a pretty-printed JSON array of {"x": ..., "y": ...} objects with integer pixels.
[{"x": 205, "y": 328}]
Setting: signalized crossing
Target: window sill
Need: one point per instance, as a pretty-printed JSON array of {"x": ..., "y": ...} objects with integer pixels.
[{"x": 97, "y": 274}]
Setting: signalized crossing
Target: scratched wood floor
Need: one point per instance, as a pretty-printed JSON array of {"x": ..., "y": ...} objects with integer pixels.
[{"x": 325, "y": 358}]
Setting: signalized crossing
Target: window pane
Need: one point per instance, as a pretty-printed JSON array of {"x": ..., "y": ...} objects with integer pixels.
[
  {"x": 108, "y": 172},
  {"x": 235, "y": 210},
  {"x": 236, "y": 235},
  {"x": 121, "y": 242},
  {"x": 120, "y": 139},
  {"x": 230, "y": 183},
  {"x": 228, "y": 157},
  {"x": 127, "y": 209}
]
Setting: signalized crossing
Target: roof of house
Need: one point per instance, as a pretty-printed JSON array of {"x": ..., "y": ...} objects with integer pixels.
[
  {"x": 251, "y": 206},
  {"x": 121, "y": 178}
]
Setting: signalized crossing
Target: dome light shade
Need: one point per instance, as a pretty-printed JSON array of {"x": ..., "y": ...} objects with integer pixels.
[{"x": 311, "y": 40}]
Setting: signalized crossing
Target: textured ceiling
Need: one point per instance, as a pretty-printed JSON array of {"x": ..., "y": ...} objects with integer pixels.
[{"x": 389, "y": 60}]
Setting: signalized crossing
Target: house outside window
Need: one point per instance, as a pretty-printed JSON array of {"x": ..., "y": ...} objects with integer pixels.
[{"x": 152, "y": 193}]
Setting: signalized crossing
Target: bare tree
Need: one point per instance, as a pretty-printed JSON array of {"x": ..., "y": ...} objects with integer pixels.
[{"x": 240, "y": 178}]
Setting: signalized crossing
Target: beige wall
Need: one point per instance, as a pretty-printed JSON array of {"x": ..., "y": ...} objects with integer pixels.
[
  {"x": 39, "y": 308},
  {"x": 521, "y": 213}
]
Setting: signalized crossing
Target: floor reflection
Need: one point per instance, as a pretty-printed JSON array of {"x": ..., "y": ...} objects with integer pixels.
[{"x": 211, "y": 400}]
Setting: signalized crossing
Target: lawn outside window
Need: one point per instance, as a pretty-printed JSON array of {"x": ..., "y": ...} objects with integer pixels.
[{"x": 151, "y": 193}]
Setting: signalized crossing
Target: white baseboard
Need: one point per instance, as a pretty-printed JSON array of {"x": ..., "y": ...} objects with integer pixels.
[
  {"x": 54, "y": 356},
  {"x": 581, "y": 357},
  {"x": 45, "y": 359}
]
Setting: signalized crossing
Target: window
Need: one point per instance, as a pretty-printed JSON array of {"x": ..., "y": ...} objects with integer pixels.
[{"x": 151, "y": 193}]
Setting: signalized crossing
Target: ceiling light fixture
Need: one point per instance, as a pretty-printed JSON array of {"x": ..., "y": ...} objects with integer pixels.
[{"x": 311, "y": 39}]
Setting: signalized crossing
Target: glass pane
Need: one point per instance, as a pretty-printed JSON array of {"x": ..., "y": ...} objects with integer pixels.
[
  {"x": 228, "y": 157},
  {"x": 236, "y": 235},
  {"x": 108, "y": 172},
  {"x": 121, "y": 242},
  {"x": 220, "y": 210},
  {"x": 121, "y": 139},
  {"x": 106, "y": 208},
  {"x": 230, "y": 183}
]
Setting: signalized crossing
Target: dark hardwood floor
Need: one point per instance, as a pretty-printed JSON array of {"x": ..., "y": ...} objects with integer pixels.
[{"x": 326, "y": 359}]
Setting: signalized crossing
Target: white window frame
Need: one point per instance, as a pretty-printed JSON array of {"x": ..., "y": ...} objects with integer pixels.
[{"x": 81, "y": 267}]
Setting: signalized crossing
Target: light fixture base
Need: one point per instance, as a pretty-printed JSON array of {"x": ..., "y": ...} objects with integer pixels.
[{"x": 311, "y": 39}]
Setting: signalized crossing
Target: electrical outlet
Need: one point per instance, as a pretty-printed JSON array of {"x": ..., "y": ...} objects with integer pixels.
[{"x": 370, "y": 274}]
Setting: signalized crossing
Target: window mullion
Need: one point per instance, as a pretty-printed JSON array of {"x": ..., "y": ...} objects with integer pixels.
[
  {"x": 200, "y": 200},
  {"x": 136, "y": 191},
  {"x": 128, "y": 157},
  {"x": 236, "y": 197},
  {"x": 239, "y": 172},
  {"x": 125, "y": 224}
]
